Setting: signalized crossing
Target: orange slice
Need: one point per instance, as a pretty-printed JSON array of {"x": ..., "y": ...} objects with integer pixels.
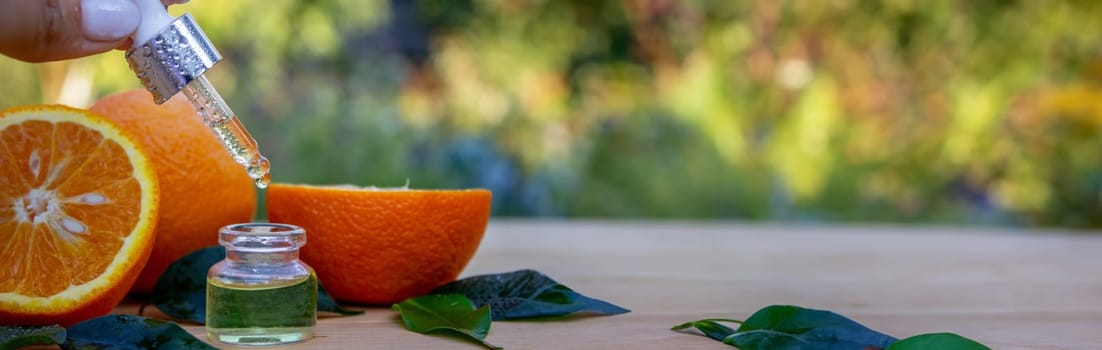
[
  {"x": 381, "y": 246},
  {"x": 78, "y": 205}
]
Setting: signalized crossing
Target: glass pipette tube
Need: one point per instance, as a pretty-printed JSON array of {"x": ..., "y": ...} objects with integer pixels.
[{"x": 216, "y": 115}]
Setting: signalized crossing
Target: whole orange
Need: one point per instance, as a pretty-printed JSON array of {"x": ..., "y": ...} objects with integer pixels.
[
  {"x": 202, "y": 188},
  {"x": 381, "y": 246},
  {"x": 79, "y": 207}
]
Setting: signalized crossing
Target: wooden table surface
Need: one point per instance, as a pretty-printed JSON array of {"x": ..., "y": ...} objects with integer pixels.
[{"x": 1009, "y": 289}]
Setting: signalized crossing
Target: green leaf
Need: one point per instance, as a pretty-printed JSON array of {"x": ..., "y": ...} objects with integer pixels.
[
  {"x": 710, "y": 327},
  {"x": 940, "y": 341},
  {"x": 779, "y": 327},
  {"x": 328, "y": 304},
  {"x": 526, "y": 294},
  {"x": 792, "y": 327},
  {"x": 446, "y": 312},
  {"x": 130, "y": 332},
  {"x": 14, "y": 337},
  {"x": 181, "y": 291}
]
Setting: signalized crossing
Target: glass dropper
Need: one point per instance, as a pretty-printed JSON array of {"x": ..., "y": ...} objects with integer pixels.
[
  {"x": 216, "y": 115},
  {"x": 170, "y": 55}
]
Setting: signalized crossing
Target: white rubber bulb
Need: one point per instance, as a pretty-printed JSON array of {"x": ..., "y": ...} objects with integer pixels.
[{"x": 154, "y": 19}]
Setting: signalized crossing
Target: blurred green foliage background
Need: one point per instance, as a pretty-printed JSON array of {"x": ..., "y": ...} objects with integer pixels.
[{"x": 978, "y": 112}]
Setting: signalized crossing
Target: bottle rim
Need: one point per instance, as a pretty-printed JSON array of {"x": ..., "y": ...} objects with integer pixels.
[{"x": 261, "y": 237}]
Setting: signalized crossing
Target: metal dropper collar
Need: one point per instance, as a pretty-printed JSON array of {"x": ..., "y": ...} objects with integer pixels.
[{"x": 168, "y": 53}]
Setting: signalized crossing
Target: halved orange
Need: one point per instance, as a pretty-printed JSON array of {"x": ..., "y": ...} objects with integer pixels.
[
  {"x": 381, "y": 246},
  {"x": 78, "y": 205}
]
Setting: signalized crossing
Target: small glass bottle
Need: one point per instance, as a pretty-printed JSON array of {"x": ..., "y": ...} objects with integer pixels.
[{"x": 261, "y": 294}]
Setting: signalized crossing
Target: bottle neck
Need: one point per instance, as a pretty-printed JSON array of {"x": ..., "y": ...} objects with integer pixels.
[{"x": 266, "y": 258}]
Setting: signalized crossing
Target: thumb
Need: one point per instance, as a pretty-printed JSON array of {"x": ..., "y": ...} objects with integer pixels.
[{"x": 50, "y": 30}]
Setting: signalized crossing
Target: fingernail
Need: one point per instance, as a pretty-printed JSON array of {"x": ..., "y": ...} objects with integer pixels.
[{"x": 107, "y": 20}]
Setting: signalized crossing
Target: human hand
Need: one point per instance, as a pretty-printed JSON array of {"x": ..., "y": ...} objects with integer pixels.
[{"x": 51, "y": 30}]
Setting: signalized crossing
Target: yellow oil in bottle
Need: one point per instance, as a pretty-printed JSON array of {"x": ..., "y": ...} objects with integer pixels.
[{"x": 276, "y": 313}]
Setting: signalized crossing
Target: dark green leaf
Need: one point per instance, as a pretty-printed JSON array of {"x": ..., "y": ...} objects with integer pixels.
[
  {"x": 448, "y": 312},
  {"x": 15, "y": 337},
  {"x": 939, "y": 341},
  {"x": 781, "y": 327},
  {"x": 327, "y": 304},
  {"x": 526, "y": 294},
  {"x": 181, "y": 291},
  {"x": 130, "y": 332},
  {"x": 710, "y": 327}
]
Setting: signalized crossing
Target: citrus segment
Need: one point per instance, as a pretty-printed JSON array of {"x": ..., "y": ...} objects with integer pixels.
[
  {"x": 77, "y": 213},
  {"x": 381, "y": 246},
  {"x": 202, "y": 187}
]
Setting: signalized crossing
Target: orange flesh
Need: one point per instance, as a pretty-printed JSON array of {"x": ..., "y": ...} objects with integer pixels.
[{"x": 68, "y": 196}]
